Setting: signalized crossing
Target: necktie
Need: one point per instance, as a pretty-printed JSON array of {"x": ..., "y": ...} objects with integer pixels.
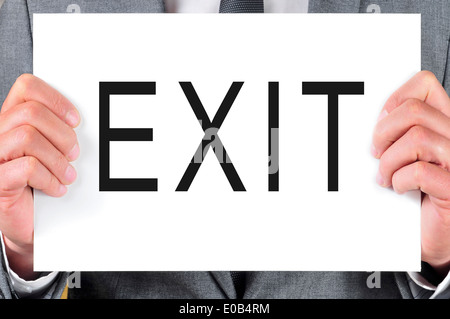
[
  {"x": 241, "y": 6},
  {"x": 239, "y": 282}
]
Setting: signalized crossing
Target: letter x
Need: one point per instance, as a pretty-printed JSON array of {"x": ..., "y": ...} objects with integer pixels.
[{"x": 208, "y": 126}]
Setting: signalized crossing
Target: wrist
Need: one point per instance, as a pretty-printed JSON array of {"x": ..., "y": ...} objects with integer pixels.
[{"x": 20, "y": 259}]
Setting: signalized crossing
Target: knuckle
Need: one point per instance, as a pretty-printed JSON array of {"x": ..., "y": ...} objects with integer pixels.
[
  {"x": 26, "y": 135},
  {"x": 428, "y": 77},
  {"x": 31, "y": 110},
  {"x": 24, "y": 81},
  {"x": 414, "y": 109},
  {"x": 418, "y": 134},
  {"x": 30, "y": 165},
  {"x": 25, "y": 78}
]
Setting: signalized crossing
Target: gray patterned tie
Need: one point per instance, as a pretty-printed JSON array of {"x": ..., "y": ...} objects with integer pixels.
[
  {"x": 241, "y": 6},
  {"x": 238, "y": 278}
]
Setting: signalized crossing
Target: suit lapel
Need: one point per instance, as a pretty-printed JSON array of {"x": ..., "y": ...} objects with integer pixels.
[
  {"x": 325, "y": 6},
  {"x": 255, "y": 281},
  {"x": 224, "y": 281}
]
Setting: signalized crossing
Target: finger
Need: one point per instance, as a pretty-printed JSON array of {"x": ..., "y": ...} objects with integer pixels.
[
  {"x": 35, "y": 114},
  {"x": 418, "y": 144},
  {"x": 27, "y": 141},
  {"x": 30, "y": 88},
  {"x": 423, "y": 86},
  {"x": 424, "y": 176},
  {"x": 411, "y": 113},
  {"x": 26, "y": 171}
]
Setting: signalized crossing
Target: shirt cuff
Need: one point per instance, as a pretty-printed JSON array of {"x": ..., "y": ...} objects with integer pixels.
[
  {"x": 425, "y": 284},
  {"x": 27, "y": 288}
]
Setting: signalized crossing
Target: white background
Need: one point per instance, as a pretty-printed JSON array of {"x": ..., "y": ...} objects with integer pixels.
[{"x": 210, "y": 227}]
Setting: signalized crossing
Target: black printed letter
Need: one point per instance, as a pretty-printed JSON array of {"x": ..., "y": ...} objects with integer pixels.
[
  {"x": 210, "y": 129},
  {"x": 273, "y": 137},
  {"x": 333, "y": 90},
  {"x": 108, "y": 134}
]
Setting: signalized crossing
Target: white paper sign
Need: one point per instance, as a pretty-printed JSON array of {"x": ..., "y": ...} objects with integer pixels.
[{"x": 220, "y": 215}]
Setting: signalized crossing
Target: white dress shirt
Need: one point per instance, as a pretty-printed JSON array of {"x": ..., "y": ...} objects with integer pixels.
[{"x": 36, "y": 287}]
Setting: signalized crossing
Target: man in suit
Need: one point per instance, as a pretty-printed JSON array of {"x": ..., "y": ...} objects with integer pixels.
[{"x": 37, "y": 143}]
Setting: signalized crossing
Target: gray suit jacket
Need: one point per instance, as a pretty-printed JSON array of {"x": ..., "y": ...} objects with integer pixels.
[{"x": 16, "y": 58}]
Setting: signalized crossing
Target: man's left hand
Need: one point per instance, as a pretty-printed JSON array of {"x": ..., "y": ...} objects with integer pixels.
[{"x": 412, "y": 141}]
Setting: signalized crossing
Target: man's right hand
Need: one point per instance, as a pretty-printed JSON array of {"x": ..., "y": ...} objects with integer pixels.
[{"x": 37, "y": 144}]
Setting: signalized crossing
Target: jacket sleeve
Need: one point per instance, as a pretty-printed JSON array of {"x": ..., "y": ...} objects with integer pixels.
[
  {"x": 53, "y": 291},
  {"x": 16, "y": 55},
  {"x": 6, "y": 292}
]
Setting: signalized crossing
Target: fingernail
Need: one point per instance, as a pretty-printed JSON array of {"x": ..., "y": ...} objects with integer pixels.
[
  {"x": 380, "y": 179},
  {"x": 72, "y": 118},
  {"x": 62, "y": 189},
  {"x": 373, "y": 151},
  {"x": 73, "y": 154},
  {"x": 70, "y": 174},
  {"x": 382, "y": 115}
]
